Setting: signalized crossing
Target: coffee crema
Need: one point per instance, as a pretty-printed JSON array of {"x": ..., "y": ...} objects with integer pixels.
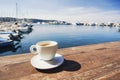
[{"x": 45, "y": 44}]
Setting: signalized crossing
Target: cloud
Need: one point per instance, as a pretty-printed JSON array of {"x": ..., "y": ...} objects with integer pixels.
[
  {"x": 79, "y": 14},
  {"x": 78, "y": 10}
]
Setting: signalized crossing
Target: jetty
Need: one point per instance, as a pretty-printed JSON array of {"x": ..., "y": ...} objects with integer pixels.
[{"x": 90, "y": 62}]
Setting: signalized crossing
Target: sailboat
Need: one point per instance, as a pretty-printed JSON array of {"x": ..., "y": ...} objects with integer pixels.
[{"x": 23, "y": 27}]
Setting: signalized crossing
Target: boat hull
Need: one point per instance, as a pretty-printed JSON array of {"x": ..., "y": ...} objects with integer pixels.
[{"x": 6, "y": 43}]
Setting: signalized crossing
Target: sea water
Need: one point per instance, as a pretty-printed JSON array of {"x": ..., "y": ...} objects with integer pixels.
[{"x": 65, "y": 35}]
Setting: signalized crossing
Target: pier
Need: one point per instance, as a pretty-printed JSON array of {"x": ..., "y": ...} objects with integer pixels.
[{"x": 90, "y": 62}]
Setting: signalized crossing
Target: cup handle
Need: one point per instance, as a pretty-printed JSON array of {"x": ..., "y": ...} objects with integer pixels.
[{"x": 32, "y": 49}]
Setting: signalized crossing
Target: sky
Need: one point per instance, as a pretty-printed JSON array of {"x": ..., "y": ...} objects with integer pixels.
[{"x": 90, "y": 11}]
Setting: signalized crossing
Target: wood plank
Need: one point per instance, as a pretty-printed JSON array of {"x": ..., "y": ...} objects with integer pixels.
[{"x": 90, "y": 62}]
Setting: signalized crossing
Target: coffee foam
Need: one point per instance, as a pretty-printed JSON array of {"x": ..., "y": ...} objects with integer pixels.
[{"x": 45, "y": 44}]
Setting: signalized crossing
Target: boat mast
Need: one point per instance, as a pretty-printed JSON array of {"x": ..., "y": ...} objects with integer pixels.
[{"x": 16, "y": 12}]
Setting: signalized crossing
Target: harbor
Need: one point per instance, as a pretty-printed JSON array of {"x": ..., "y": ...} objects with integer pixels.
[
  {"x": 90, "y": 62},
  {"x": 65, "y": 35},
  {"x": 60, "y": 40}
]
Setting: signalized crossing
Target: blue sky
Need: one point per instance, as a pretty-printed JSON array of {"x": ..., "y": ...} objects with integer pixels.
[{"x": 69, "y": 10}]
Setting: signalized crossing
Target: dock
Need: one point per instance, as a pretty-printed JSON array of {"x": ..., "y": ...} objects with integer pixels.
[{"x": 89, "y": 62}]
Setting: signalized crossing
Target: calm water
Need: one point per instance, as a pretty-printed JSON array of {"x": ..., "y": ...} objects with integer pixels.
[{"x": 65, "y": 35}]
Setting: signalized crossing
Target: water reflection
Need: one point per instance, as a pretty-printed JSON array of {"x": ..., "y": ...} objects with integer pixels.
[{"x": 119, "y": 30}]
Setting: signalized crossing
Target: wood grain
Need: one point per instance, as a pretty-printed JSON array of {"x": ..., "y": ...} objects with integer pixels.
[{"x": 90, "y": 62}]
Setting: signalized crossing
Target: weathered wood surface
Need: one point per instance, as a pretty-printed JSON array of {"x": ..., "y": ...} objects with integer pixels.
[{"x": 91, "y": 62}]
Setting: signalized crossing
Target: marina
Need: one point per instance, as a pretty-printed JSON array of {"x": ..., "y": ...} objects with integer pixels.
[
  {"x": 65, "y": 35},
  {"x": 60, "y": 40}
]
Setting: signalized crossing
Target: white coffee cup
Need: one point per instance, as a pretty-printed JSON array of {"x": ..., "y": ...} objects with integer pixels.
[{"x": 45, "y": 49}]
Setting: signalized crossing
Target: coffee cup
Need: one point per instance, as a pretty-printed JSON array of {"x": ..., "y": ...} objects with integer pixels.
[{"x": 45, "y": 49}]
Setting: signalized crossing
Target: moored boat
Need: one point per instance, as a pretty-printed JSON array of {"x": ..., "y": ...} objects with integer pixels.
[
  {"x": 10, "y": 35},
  {"x": 5, "y": 42},
  {"x": 24, "y": 29}
]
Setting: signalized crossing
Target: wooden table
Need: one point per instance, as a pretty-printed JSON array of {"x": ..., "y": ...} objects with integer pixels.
[{"x": 91, "y": 62}]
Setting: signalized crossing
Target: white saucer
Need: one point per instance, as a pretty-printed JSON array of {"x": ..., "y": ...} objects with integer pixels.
[{"x": 41, "y": 64}]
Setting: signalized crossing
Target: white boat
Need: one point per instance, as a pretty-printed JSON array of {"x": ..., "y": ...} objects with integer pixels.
[
  {"x": 5, "y": 34},
  {"x": 5, "y": 42},
  {"x": 26, "y": 24},
  {"x": 10, "y": 35},
  {"x": 24, "y": 29},
  {"x": 21, "y": 28}
]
